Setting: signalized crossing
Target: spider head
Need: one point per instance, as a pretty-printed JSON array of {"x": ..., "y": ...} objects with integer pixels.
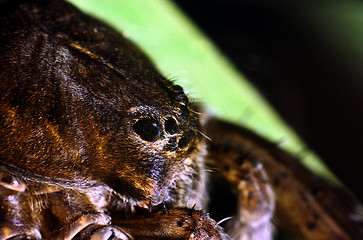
[{"x": 82, "y": 105}]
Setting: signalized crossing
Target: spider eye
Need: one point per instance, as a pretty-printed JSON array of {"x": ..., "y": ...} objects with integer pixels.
[
  {"x": 185, "y": 140},
  {"x": 171, "y": 126},
  {"x": 148, "y": 129},
  {"x": 180, "y": 95}
]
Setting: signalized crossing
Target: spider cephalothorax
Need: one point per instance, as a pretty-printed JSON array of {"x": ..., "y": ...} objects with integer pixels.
[{"x": 95, "y": 143}]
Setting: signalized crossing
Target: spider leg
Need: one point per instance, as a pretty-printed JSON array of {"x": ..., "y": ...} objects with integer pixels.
[
  {"x": 256, "y": 202},
  {"x": 307, "y": 205},
  {"x": 255, "y": 197},
  {"x": 84, "y": 221},
  {"x": 70, "y": 215},
  {"x": 178, "y": 223},
  {"x": 16, "y": 218},
  {"x": 110, "y": 232}
]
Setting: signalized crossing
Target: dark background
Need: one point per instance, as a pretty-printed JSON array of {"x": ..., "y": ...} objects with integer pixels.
[{"x": 313, "y": 87}]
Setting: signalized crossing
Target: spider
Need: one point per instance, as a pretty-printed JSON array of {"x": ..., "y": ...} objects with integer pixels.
[{"x": 96, "y": 144}]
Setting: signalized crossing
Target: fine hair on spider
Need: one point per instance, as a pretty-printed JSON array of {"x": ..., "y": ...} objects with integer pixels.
[{"x": 96, "y": 144}]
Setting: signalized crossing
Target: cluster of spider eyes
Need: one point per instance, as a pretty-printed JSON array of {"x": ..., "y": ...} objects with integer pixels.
[{"x": 149, "y": 129}]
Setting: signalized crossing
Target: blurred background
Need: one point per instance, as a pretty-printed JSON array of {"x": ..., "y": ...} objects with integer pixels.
[{"x": 306, "y": 57}]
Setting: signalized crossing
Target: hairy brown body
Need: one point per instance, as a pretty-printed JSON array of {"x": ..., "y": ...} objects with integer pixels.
[{"x": 95, "y": 143}]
